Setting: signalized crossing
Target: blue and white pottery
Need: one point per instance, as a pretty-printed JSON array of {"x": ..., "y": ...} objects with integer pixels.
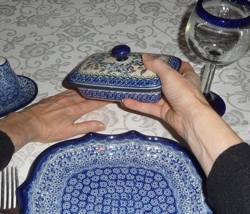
[
  {"x": 16, "y": 91},
  {"x": 117, "y": 75},
  {"x": 9, "y": 85},
  {"x": 126, "y": 173}
]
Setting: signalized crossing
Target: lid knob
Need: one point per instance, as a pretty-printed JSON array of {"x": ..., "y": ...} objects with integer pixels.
[{"x": 121, "y": 52}]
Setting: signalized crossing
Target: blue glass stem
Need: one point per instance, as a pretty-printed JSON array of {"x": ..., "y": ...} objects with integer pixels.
[
  {"x": 215, "y": 101},
  {"x": 207, "y": 77}
]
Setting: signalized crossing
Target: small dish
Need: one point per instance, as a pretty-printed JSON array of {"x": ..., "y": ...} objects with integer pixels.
[
  {"x": 123, "y": 173},
  {"x": 27, "y": 93},
  {"x": 117, "y": 75}
]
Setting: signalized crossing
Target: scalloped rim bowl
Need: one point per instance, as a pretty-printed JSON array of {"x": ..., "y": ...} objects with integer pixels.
[{"x": 122, "y": 173}]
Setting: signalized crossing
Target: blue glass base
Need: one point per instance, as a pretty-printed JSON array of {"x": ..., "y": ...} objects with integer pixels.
[{"x": 216, "y": 102}]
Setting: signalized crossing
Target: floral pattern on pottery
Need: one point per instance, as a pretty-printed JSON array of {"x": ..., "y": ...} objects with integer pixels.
[
  {"x": 9, "y": 85},
  {"x": 27, "y": 93},
  {"x": 125, "y": 173},
  {"x": 102, "y": 76}
]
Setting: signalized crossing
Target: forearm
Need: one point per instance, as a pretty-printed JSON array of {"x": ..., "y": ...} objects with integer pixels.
[
  {"x": 187, "y": 111},
  {"x": 52, "y": 119},
  {"x": 208, "y": 136},
  {"x": 228, "y": 178}
]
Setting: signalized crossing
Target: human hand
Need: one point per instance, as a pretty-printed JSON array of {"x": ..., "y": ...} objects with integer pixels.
[
  {"x": 52, "y": 119},
  {"x": 185, "y": 109},
  {"x": 182, "y": 94}
]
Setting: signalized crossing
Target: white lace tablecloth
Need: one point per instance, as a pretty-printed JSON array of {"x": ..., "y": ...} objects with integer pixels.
[{"x": 45, "y": 40}]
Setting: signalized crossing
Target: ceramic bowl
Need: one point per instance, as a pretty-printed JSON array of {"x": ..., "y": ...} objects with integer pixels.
[
  {"x": 9, "y": 85},
  {"x": 117, "y": 75},
  {"x": 16, "y": 91},
  {"x": 125, "y": 173}
]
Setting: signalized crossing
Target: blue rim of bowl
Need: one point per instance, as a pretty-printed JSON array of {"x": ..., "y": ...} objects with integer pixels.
[
  {"x": 226, "y": 23},
  {"x": 132, "y": 134},
  {"x": 20, "y": 101}
]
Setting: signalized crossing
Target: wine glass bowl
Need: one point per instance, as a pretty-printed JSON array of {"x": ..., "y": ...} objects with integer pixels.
[{"x": 218, "y": 32}]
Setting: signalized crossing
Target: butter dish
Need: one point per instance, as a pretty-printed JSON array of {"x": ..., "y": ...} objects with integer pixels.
[{"x": 117, "y": 75}]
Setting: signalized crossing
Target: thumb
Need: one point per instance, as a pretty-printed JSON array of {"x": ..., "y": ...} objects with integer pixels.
[{"x": 159, "y": 67}]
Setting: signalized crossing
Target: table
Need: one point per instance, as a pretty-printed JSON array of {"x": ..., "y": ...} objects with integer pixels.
[{"x": 45, "y": 40}]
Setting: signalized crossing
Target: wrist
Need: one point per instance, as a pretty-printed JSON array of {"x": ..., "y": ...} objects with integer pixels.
[
  {"x": 17, "y": 127},
  {"x": 208, "y": 135},
  {"x": 7, "y": 150}
]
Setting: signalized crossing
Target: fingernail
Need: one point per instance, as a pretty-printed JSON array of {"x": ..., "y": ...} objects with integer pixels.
[
  {"x": 101, "y": 127},
  {"x": 147, "y": 57}
]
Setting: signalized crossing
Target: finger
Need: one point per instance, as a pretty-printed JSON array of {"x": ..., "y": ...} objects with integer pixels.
[
  {"x": 188, "y": 73},
  {"x": 147, "y": 108},
  {"x": 69, "y": 96},
  {"x": 160, "y": 68},
  {"x": 194, "y": 79},
  {"x": 88, "y": 126},
  {"x": 78, "y": 129},
  {"x": 186, "y": 68},
  {"x": 76, "y": 110},
  {"x": 91, "y": 105},
  {"x": 69, "y": 92},
  {"x": 169, "y": 76},
  {"x": 75, "y": 97},
  {"x": 64, "y": 99}
]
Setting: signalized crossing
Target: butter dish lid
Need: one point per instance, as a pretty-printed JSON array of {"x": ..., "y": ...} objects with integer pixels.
[{"x": 119, "y": 68}]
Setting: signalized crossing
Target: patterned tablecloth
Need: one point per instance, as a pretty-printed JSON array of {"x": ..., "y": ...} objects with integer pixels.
[{"x": 45, "y": 40}]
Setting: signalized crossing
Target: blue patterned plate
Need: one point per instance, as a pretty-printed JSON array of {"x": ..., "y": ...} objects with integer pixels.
[
  {"x": 27, "y": 93},
  {"x": 124, "y": 173}
]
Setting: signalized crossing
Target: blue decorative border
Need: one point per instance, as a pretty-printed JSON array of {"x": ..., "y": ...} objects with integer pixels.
[
  {"x": 94, "y": 148},
  {"x": 115, "y": 95},
  {"x": 118, "y": 74},
  {"x": 221, "y": 22},
  {"x": 27, "y": 93}
]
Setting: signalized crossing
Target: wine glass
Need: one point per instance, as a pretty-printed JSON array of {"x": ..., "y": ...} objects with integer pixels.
[{"x": 218, "y": 32}]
